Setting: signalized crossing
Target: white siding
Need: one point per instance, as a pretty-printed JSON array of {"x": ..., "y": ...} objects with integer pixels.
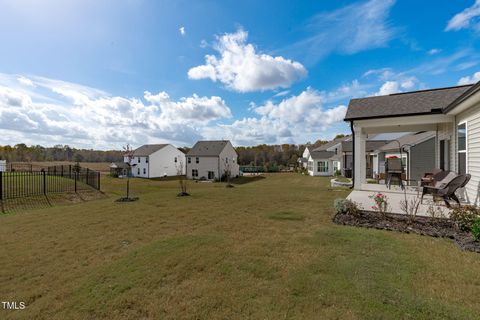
[
  {"x": 204, "y": 165},
  {"x": 229, "y": 153},
  {"x": 472, "y": 118},
  {"x": 159, "y": 164},
  {"x": 314, "y": 169}
]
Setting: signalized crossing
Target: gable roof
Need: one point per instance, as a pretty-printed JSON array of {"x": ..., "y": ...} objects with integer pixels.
[
  {"x": 211, "y": 148},
  {"x": 148, "y": 149},
  {"x": 430, "y": 101},
  {"x": 321, "y": 154},
  {"x": 410, "y": 139},
  {"x": 370, "y": 145},
  {"x": 329, "y": 144}
]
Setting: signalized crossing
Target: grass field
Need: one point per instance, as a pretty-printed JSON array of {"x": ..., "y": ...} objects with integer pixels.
[{"x": 266, "y": 249}]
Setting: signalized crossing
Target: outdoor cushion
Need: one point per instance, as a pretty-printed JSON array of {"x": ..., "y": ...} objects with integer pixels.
[{"x": 445, "y": 181}]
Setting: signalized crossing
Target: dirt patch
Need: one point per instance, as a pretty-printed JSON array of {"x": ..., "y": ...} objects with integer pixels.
[{"x": 433, "y": 227}]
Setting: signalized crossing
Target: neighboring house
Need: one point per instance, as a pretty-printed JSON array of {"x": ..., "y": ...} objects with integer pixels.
[
  {"x": 321, "y": 163},
  {"x": 453, "y": 113},
  {"x": 211, "y": 159},
  {"x": 119, "y": 169},
  {"x": 303, "y": 161},
  {"x": 3, "y": 165},
  {"x": 417, "y": 154},
  {"x": 335, "y": 146},
  {"x": 347, "y": 156},
  {"x": 157, "y": 160}
]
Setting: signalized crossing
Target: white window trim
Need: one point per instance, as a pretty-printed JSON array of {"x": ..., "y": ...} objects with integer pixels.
[
  {"x": 325, "y": 166},
  {"x": 466, "y": 145}
]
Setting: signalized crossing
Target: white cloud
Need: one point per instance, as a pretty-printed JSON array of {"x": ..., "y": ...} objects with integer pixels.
[
  {"x": 434, "y": 51},
  {"x": 469, "y": 79},
  {"x": 388, "y": 87},
  {"x": 25, "y": 81},
  {"x": 468, "y": 18},
  {"x": 240, "y": 68},
  {"x": 357, "y": 27},
  {"x": 69, "y": 113},
  {"x": 294, "y": 119},
  {"x": 182, "y": 30}
]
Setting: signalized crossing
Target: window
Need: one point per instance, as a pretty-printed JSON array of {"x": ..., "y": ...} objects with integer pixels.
[
  {"x": 189, "y": 160},
  {"x": 194, "y": 173},
  {"x": 197, "y": 160},
  {"x": 144, "y": 171},
  {"x": 226, "y": 160},
  {"x": 175, "y": 159},
  {"x": 322, "y": 166},
  {"x": 138, "y": 171},
  {"x": 138, "y": 159},
  {"x": 146, "y": 160},
  {"x": 462, "y": 148},
  {"x": 211, "y": 175}
]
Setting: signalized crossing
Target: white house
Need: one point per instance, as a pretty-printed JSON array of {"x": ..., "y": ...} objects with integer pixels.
[
  {"x": 453, "y": 113},
  {"x": 322, "y": 163},
  {"x": 303, "y": 161},
  {"x": 3, "y": 165},
  {"x": 211, "y": 160},
  {"x": 157, "y": 160}
]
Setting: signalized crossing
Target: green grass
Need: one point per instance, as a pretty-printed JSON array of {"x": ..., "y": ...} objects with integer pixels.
[
  {"x": 343, "y": 179},
  {"x": 266, "y": 249}
]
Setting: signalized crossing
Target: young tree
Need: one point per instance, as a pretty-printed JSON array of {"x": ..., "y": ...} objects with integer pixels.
[
  {"x": 129, "y": 154},
  {"x": 182, "y": 180},
  {"x": 227, "y": 173}
]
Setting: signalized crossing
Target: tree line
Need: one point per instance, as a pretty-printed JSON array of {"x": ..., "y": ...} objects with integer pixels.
[{"x": 23, "y": 153}]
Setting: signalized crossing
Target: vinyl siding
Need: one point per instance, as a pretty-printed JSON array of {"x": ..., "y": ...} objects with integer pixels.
[{"x": 472, "y": 118}]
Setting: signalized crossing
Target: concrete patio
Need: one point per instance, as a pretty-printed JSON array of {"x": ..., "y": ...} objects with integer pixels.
[{"x": 394, "y": 196}]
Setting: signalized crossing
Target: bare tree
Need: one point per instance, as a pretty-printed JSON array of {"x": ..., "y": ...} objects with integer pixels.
[
  {"x": 227, "y": 173},
  {"x": 182, "y": 180},
  {"x": 128, "y": 153}
]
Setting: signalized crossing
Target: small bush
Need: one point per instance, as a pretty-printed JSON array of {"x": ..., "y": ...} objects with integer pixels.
[
  {"x": 476, "y": 229},
  {"x": 346, "y": 206},
  {"x": 463, "y": 217}
]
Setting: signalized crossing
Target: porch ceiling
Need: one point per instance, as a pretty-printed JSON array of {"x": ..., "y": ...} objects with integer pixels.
[{"x": 403, "y": 124}]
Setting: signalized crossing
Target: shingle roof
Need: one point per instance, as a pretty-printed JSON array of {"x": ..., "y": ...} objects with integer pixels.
[
  {"x": 322, "y": 154},
  {"x": 329, "y": 144},
  {"x": 208, "y": 148},
  {"x": 370, "y": 146},
  {"x": 410, "y": 139},
  {"x": 148, "y": 149},
  {"x": 408, "y": 103}
]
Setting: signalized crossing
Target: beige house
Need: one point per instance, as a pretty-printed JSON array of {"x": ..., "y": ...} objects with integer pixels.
[{"x": 211, "y": 160}]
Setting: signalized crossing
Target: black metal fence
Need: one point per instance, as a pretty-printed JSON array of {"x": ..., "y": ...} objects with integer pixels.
[{"x": 57, "y": 179}]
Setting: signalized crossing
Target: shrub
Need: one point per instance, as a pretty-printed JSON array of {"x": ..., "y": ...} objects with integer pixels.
[
  {"x": 476, "y": 229},
  {"x": 381, "y": 203},
  {"x": 346, "y": 206},
  {"x": 464, "y": 216}
]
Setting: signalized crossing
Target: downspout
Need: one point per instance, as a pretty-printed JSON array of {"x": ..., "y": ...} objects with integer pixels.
[{"x": 353, "y": 155}]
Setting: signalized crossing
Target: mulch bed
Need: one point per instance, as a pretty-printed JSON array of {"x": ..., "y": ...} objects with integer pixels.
[{"x": 433, "y": 227}]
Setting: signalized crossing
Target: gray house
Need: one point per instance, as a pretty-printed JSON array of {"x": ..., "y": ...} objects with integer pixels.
[
  {"x": 211, "y": 160},
  {"x": 417, "y": 151}
]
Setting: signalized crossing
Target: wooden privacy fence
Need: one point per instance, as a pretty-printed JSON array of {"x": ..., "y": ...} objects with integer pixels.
[{"x": 56, "y": 179}]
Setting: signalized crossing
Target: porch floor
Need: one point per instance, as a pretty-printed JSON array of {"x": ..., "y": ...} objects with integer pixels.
[{"x": 394, "y": 197}]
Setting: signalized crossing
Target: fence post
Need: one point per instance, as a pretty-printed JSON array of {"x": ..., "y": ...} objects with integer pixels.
[
  {"x": 70, "y": 171},
  {"x": 62, "y": 170},
  {"x": 75, "y": 173},
  {"x": 44, "y": 183},
  {"x": 1, "y": 185},
  {"x": 98, "y": 177},
  {"x": 87, "y": 180}
]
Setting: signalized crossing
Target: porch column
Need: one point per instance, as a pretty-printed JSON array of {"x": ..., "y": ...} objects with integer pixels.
[{"x": 360, "y": 165}]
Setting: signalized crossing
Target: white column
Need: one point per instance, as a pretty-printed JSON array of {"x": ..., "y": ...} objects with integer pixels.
[{"x": 360, "y": 165}]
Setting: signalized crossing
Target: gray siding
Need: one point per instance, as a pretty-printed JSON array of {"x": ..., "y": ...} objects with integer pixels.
[{"x": 422, "y": 159}]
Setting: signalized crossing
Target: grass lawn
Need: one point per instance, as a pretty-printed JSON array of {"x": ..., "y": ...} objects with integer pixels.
[{"x": 266, "y": 249}]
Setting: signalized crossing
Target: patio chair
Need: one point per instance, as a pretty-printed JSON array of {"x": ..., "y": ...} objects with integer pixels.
[
  {"x": 446, "y": 190},
  {"x": 430, "y": 178}
]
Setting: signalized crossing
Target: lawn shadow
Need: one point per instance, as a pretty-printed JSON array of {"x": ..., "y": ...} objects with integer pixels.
[{"x": 246, "y": 179}]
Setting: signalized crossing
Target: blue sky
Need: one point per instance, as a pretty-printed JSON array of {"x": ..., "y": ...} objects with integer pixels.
[{"x": 100, "y": 74}]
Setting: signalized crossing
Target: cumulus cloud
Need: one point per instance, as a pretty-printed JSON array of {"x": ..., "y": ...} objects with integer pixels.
[
  {"x": 354, "y": 28},
  {"x": 468, "y": 18},
  {"x": 390, "y": 87},
  {"x": 297, "y": 118},
  {"x": 84, "y": 116},
  {"x": 182, "y": 30},
  {"x": 469, "y": 79},
  {"x": 240, "y": 68}
]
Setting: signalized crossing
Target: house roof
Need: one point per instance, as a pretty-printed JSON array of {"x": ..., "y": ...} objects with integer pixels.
[
  {"x": 329, "y": 144},
  {"x": 208, "y": 148},
  {"x": 410, "y": 139},
  {"x": 148, "y": 149},
  {"x": 401, "y": 104},
  {"x": 370, "y": 146},
  {"x": 322, "y": 154}
]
